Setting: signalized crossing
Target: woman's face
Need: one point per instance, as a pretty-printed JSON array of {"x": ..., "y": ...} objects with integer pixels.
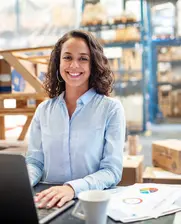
[{"x": 75, "y": 63}]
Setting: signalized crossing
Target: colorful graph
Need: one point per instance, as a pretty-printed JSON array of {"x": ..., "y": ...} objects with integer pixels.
[
  {"x": 148, "y": 190},
  {"x": 132, "y": 201}
]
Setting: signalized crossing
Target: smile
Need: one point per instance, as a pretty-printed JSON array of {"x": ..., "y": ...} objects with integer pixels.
[{"x": 74, "y": 75}]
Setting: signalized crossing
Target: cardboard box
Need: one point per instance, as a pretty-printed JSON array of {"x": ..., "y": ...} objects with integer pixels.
[
  {"x": 166, "y": 110},
  {"x": 165, "y": 76},
  {"x": 132, "y": 170},
  {"x": 176, "y": 102},
  {"x": 165, "y": 95},
  {"x": 4, "y": 67},
  {"x": 166, "y": 154},
  {"x": 131, "y": 60},
  {"x": 158, "y": 175},
  {"x": 5, "y": 77}
]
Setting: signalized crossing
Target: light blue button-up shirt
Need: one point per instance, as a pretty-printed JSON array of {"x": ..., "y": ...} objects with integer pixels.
[{"x": 85, "y": 150}]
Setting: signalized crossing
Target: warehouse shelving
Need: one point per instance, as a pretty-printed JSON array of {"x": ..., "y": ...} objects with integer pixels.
[
  {"x": 149, "y": 58},
  {"x": 167, "y": 42},
  {"x": 153, "y": 90},
  {"x": 110, "y": 26},
  {"x": 126, "y": 45},
  {"x": 122, "y": 44}
]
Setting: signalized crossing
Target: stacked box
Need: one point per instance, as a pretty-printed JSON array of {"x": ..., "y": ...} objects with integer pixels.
[
  {"x": 162, "y": 14},
  {"x": 176, "y": 102},
  {"x": 164, "y": 72},
  {"x": 132, "y": 170},
  {"x": 167, "y": 155},
  {"x": 165, "y": 76},
  {"x": 176, "y": 53},
  {"x": 5, "y": 77},
  {"x": 160, "y": 176},
  {"x": 132, "y": 59},
  {"x": 165, "y": 99},
  {"x": 132, "y": 144},
  {"x": 164, "y": 54},
  {"x": 166, "y": 159}
]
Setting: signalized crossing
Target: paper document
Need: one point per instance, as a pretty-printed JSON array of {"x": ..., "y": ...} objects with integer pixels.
[{"x": 144, "y": 201}]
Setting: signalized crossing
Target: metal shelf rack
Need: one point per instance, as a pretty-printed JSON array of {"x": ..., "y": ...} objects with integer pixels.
[
  {"x": 153, "y": 90},
  {"x": 142, "y": 43},
  {"x": 153, "y": 45}
]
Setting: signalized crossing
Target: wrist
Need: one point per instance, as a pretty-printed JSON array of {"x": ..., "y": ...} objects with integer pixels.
[{"x": 70, "y": 187}]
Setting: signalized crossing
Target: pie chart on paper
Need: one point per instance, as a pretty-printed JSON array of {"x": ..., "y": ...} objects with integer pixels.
[
  {"x": 148, "y": 190},
  {"x": 132, "y": 201}
]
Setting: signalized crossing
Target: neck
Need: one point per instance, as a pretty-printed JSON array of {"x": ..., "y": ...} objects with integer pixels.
[{"x": 72, "y": 94}]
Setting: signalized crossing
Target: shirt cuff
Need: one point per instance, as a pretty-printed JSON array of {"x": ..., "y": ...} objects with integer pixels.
[
  {"x": 78, "y": 185},
  {"x": 34, "y": 175}
]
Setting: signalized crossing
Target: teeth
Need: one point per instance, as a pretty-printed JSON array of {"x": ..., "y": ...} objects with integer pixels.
[{"x": 74, "y": 74}]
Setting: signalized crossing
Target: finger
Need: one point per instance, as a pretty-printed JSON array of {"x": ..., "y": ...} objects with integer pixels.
[
  {"x": 42, "y": 194},
  {"x": 54, "y": 200},
  {"x": 35, "y": 196},
  {"x": 63, "y": 201},
  {"x": 46, "y": 199}
]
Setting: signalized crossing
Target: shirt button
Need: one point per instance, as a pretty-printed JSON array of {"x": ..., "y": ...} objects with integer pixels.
[{"x": 79, "y": 102}]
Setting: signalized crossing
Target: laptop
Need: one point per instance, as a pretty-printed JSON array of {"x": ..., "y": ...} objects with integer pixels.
[{"x": 16, "y": 195}]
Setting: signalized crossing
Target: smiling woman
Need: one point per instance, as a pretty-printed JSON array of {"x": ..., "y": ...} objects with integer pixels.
[
  {"x": 77, "y": 136},
  {"x": 88, "y": 52},
  {"x": 75, "y": 63}
]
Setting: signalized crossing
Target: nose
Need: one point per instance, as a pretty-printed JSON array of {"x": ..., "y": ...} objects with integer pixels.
[{"x": 74, "y": 64}]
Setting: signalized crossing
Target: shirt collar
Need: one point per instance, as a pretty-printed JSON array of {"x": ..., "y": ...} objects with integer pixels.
[
  {"x": 87, "y": 96},
  {"x": 84, "y": 99},
  {"x": 61, "y": 97}
]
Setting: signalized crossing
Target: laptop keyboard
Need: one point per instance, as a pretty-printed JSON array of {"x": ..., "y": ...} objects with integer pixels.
[
  {"x": 45, "y": 215},
  {"x": 45, "y": 212}
]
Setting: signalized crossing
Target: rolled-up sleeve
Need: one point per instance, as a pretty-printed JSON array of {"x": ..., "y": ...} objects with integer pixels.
[
  {"x": 111, "y": 165},
  {"x": 34, "y": 156}
]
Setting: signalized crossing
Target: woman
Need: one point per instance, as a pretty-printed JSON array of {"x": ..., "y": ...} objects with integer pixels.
[{"x": 77, "y": 136}]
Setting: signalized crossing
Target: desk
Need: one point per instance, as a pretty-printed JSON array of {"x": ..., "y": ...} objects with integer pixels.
[{"x": 67, "y": 218}]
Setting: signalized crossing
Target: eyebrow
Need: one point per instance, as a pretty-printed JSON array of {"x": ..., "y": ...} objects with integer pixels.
[{"x": 79, "y": 53}]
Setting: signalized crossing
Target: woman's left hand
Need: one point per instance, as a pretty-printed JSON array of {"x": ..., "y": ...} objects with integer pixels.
[{"x": 57, "y": 195}]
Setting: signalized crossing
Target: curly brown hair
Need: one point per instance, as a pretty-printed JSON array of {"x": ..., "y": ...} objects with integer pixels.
[{"x": 101, "y": 78}]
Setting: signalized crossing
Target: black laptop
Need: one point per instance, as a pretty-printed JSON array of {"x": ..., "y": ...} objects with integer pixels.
[{"x": 16, "y": 196}]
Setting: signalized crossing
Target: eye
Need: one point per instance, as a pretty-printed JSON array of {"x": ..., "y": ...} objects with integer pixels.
[
  {"x": 84, "y": 59},
  {"x": 67, "y": 57}
]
